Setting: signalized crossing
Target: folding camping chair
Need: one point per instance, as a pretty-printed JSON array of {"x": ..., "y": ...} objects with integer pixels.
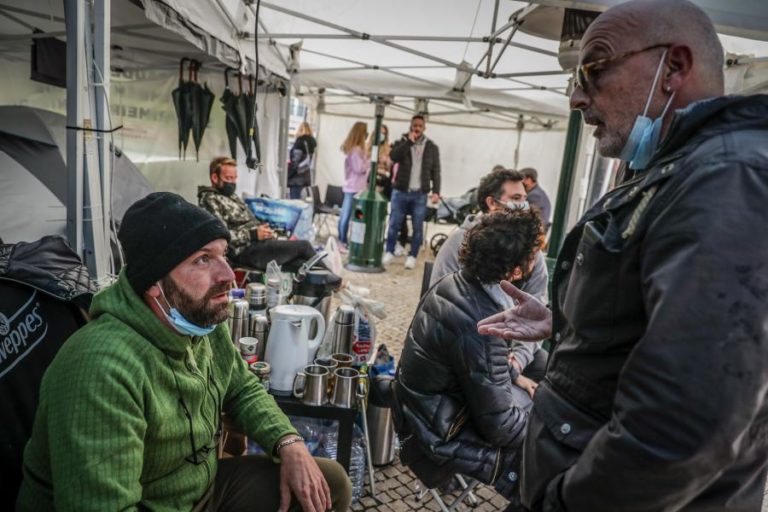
[
  {"x": 467, "y": 494},
  {"x": 334, "y": 197}
]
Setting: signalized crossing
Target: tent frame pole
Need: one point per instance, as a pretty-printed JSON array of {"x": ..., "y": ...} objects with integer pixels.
[
  {"x": 385, "y": 42},
  {"x": 102, "y": 62},
  {"x": 75, "y": 25},
  {"x": 439, "y": 39},
  {"x": 282, "y": 145},
  {"x": 565, "y": 188},
  {"x": 489, "y": 54},
  {"x": 86, "y": 230}
]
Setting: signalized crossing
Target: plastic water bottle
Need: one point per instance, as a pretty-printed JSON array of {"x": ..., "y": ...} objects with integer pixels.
[{"x": 357, "y": 464}]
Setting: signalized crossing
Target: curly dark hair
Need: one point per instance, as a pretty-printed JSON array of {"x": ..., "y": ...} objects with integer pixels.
[
  {"x": 492, "y": 184},
  {"x": 499, "y": 243}
]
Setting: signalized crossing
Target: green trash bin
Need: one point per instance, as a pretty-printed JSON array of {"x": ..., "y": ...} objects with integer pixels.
[{"x": 367, "y": 230}]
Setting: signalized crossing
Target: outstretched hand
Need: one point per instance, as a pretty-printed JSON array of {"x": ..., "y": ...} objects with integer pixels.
[{"x": 528, "y": 320}]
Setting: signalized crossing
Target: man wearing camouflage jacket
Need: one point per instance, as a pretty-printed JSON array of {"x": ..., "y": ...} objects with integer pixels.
[{"x": 252, "y": 243}]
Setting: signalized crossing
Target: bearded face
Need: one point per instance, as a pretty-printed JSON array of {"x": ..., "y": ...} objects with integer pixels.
[{"x": 200, "y": 311}]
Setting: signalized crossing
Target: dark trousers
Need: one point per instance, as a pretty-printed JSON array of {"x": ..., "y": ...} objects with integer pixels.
[
  {"x": 289, "y": 254},
  {"x": 295, "y": 192},
  {"x": 538, "y": 367},
  {"x": 253, "y": 483},
  {"x": 407, "y": 203},
  {"x": 403, "y": 236}
]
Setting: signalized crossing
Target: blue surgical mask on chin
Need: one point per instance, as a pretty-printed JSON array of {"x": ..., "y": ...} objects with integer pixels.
[
  {"x": 180, "y": 324},
  {"x": 645, "y": 134}
]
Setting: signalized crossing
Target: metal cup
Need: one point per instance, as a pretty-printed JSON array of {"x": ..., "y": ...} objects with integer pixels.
[
  {"x": 330, "y": 365},
  {"x": 342, "y": 360},
  {"x": 315, "y": 389},
  {"x": 344, "y": 389}
]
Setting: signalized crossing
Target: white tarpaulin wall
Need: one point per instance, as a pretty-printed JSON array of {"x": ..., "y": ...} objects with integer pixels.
[
  {"x": 147, "y": 57},
  {"x": 466, "y": 154},
  {"x": 141, "y": 103}
]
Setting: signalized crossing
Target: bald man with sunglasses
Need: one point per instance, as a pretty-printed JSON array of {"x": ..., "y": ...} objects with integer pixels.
[{"x": 655, "y": 394}]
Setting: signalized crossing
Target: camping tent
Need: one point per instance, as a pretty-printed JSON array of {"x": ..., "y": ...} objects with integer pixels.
[{"x": 33, "y": 185}]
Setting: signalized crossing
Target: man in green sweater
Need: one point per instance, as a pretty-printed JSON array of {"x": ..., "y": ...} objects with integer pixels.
[{"x": 130, "y": 409}]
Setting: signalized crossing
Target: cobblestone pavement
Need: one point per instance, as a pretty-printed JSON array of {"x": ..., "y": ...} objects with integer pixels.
[
  {"x": 398, "y": 289},
  {"x": 397, "y": 490}
]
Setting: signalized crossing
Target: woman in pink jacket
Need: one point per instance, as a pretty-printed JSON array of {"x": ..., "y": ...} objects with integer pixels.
[{"x": 356, "y": 168}]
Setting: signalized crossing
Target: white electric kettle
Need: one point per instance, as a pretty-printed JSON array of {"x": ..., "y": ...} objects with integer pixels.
[{"x": 289, "y": 347}]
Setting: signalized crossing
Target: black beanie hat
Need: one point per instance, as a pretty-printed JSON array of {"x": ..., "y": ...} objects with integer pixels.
[{"x": 159, "y": 232}]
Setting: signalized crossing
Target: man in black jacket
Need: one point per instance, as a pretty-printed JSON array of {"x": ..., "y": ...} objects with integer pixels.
[
  {"x": 460, "y": 406},
  {"x": 418, "y": 172},
  {"x": 655, "y": 394}
]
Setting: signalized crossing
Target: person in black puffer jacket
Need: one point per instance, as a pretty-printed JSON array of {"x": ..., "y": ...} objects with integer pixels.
[
  {"x": 301, "y": 161},
  {"x": 456, "y": 403}
]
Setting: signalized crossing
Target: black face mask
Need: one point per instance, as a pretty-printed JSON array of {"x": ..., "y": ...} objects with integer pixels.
[{"x": 227, "y": 188}]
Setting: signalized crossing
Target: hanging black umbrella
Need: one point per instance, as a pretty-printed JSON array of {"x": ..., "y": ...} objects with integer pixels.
[
  {"x": 229, "y": 104},
  {"x": 202, "y": 102},
  {"x": 244, "y": 112},
  {"x": 253, "y": 126},
  {"x": 235, "y": 108},
  {"x": 182, "y": 102}
]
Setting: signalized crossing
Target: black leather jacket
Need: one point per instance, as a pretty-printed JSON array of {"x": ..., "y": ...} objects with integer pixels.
[
  {"x": 655, "y": 395},
  {"x": 430, "y": 165},
  {"x": 453, "y": 393}
]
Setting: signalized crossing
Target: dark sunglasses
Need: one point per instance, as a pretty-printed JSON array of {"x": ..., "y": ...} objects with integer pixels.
[{"x": 586, "y": 74}]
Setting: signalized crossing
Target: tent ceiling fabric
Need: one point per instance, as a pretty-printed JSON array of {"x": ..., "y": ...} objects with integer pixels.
[
  {"x": 330, "y": 59},
  {"x": 155, "y": 34}
]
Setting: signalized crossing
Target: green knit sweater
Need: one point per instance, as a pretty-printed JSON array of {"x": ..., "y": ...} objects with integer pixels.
[{"x": 110, "y": 432}]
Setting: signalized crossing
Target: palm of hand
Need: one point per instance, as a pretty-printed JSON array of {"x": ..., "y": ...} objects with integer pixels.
[{"x": 528, "y": 320}]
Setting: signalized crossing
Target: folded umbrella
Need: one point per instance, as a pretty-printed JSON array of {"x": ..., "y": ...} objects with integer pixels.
[
  {"x": 202, "y": 102},
  {"x": 253, "y": 127},
  {"x": 182, "y": 103},
  {"x": 228, "y": 104}
]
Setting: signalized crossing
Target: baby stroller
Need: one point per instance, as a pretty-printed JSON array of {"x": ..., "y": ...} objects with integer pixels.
[{"x": 451, "y": 210}]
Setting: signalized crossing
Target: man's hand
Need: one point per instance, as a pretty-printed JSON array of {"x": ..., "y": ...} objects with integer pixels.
[
  {"x": 514, "y": 363},
  {"x": 264, "y": 232},
  {"x": 435, "y": 198},
  {"x": 299, "y": 474},
  {"x": 526, "y": 384},
  {"x": 528, "y": 320},
  {"x": 412, "y": 136}
]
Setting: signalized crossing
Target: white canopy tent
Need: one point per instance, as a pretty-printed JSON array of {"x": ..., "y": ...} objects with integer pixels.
[
  {"x": 494, "y": 94},
  {"x": 338, "y": 54}
]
